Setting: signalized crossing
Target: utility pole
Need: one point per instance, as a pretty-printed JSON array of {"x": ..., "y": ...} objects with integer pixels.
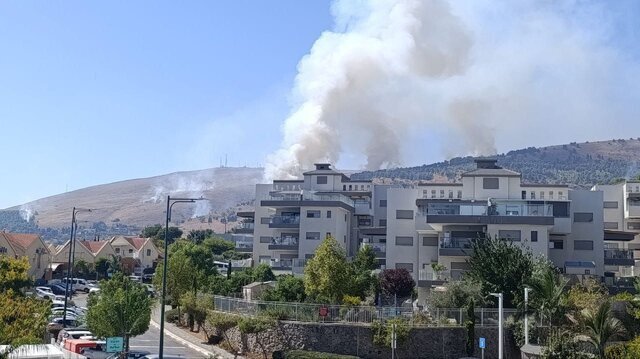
[
  {"x": 526, "y": 315},
  {"x": 394, "y": 341},
  {"x": 500, "y": 297}
]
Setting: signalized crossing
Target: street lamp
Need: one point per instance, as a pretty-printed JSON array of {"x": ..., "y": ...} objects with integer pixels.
[
  {"x": 499, "y": 296},
  {"x": 170, "y": 203},
  {"x": 526, "y": 315},
  {"x": 72, "y": 248}
]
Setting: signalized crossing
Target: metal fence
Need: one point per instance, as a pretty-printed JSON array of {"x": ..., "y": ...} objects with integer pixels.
[{"x": 306, "y": 312}]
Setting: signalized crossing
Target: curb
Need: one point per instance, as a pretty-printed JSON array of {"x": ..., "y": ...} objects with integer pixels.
[{"x": 191, "y": 345}]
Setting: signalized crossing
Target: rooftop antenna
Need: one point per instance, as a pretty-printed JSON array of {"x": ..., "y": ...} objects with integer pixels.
[{"x": 225, "y": 160}]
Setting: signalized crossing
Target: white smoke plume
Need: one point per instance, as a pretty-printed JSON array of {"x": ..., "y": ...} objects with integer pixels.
[
  {"x": 26, "y": 212},
  {"x": 183, "y": 186},
  {"x": 463, "y": 72}
]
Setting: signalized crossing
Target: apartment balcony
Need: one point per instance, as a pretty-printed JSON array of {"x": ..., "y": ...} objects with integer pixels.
[
  {"x": 306, "y": 198},
  {"x": 619, "y": 257},
  {"x": 281, "y": 264},
  {"x": 428, "y": 277},
  {"x": 365, "y": 222},
  {"x": 481, "y": 213},
  {"x": 244, "y": 227},
  {"x": 455, "y": 247},
  {"x": 284, "y": 222},
  {"x": 244, "y": 247},
  {"x": 284, "y": 243},
  {"x": 362, "y": 207},
  {"x": 380, "y": 249}
]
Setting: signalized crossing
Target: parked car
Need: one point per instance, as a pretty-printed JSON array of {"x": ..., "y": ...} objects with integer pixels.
[
  {"x": 57, "y": 323},
  {"x": 44, "y": 293},
  {"x": 94, "y": 290},
  {"x": 136, "y": 278},
  {"x": 70, "y": 332},
  {"x": 58, "y": 289},
  {"x": 78, "y": 284}
]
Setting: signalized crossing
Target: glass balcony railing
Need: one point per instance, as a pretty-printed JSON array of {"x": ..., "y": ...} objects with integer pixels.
[
  {"x": 377, "y": 247},
  {"x": 281, "y": 263},
  {"x": 244, "y": 246},
  {"x": 284, "y": 241},
  {"x": 497, "y": 209},
  {"x": 463, "y": 243},
  {"x": 309, "y": 196},
  {"x": 285, "y": 220},
  {"x": 430, "y": 274},
  {"x": 246, "y": 225},
  {"x": 618, "y": 254}
]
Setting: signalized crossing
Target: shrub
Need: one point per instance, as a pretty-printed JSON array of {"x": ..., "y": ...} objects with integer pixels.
[
  {"x": 616, "y": 351},
  {"x": 171, "y": 315},
  {"x": 256, "y": 326},
  {"x": 223, "y": 322},
  {"x": 301, "y": 354},
  {"x": 382, "y": 332}
]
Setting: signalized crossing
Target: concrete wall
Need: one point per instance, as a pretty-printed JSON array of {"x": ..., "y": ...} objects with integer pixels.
[{"x": 433, "y": 343}]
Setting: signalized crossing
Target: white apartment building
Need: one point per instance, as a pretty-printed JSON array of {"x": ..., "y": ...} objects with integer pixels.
[
  {"x": 621, "y": 207},
  {"x": 292, "y": 217},
  {"x": 415, "y": 227}
]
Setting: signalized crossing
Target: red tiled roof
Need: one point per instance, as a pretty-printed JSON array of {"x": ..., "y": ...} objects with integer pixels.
[
  {"x": 94, "y": 246},
  {"x": 136, "y": 242},
  {"x": 21, "y": 240}
]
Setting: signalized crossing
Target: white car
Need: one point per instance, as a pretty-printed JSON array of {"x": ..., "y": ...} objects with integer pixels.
[
  {"x": 44, "y": 293},
  {"x": 79, "y": 284},
  {"x": 94, "y": 290}
]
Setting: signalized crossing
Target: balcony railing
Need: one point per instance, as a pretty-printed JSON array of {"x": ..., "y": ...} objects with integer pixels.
[
  {"x": 246, "y": 225},
  {"x": 309, "y": 196},
  {"x": 281, "y": 263},
  {"x": 499, "y": 209},
  {"x": 430, "y": 275},
  {"x": 284, "y": 241},
  {"x": 284, "y": 220},
  {"x": 244, "y": 246},
  {"x": 618, "y": 254},
  {"x": 377, "y": 247},
  {"x": 463, "y": 243}
]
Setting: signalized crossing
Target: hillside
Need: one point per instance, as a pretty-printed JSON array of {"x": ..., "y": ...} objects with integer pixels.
[
  {"x": 579, "y": 164},
  {"x": 140, "y": 202}
]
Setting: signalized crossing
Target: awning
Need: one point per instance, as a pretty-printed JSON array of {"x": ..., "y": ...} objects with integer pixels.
[{"x": 618, "y": 236}]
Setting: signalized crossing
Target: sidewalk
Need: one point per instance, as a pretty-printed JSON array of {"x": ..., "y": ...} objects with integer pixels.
[{"x": 189, "y": 340}]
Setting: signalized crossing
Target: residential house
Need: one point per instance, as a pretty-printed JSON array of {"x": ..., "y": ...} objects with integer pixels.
[{"x": 30, "y": 246}]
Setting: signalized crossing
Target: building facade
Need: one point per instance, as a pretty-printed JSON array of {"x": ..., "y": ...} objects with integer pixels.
[{"x": 428, "y": 228}]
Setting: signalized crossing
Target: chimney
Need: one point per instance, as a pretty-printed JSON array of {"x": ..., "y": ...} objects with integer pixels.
[{"x": 323, "y": 166}]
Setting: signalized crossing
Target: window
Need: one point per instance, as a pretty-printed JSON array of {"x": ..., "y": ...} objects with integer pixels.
[
  {"x": 556, "y": 244},
  {"x": 404, "y": 214},
  {"x": 534, "y": 236},
  {"x": 441, "y": 193},
  {"x": 610, "y": 204},
  {"x": 450, "y": 194},
  {"x": 313, "y": 214},
  {"x": 524, "y": 195},
  {"x": 265, "y": 239},
  {"x": 583, "y": 245},
  {"x": 345, "y": 217},
  {"x": 541, "y": 194},
  {"x": 459, "y": 194},
  {"x": 117, "y": 250},
  {"x": 632, "y": 225},
  {"x": 382, "y": 223},
  {"x": 3, "y": 250},
  {"x": 533, "y": 195},
  {"x": 610, "y": 225},
  {"x": 490, "y": 183},
  {"x": 560, "y": 195},
  {"x": 383, "y": 203},
  {"x": 583, "y": 217},
  {"x": 430, "y": 241},
  {"x": 350, "y": 187},
  {"x": 264, "y": 259},
  {"x": 404, "y": 241},
  {"x": 509, "y": 235},
  {"x": 148, "y": 252},
  {"x": 344, "y": 187},
  {"x": 130, "y": 251},
  {"x": 561, "y": 209},
  {"x": 265, "y": 220},
  {"x": 328, "y": 214},
  {"x": 433, "y": 193},
  {"x": 407, "y": 266},
  {"x": 327, "y": 235},
  {"x": 321, "y": 180},
  {"x": 313, "y": 236},
  {"x": 550, "y": 194}
]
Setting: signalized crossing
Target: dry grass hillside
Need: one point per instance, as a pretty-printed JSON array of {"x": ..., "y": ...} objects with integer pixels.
[{"x": 141, "y": 202}]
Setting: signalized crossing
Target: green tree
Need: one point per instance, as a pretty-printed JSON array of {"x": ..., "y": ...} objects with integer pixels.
[
  {"x": 263, "y": 273},
  {"x": 362, "y": 278},
  {"x": 115, "y": 265},
  {"x": 501, "y": 266},
  {"x": 223, "y": 322},
  {"x": 288, "y": 289},
  {"x": 457, "y": 294},
  {"x": 548, "y": 299},
  {"x": 218, "y": 246},
  {"x": 562, "y": 345},
  {"x": 102, "y": 267},
  {"x": 327, "y": 275},
  {"x": 601, "y": 327},
  {"x": 121, "y": 308},
  {"x": 198, "y": 236},
  {"x": 179, "y": 277},
  {"x": 151, "y": 231},
  {"x": 14, "y": 274},
  {"x": 83, "y": 269}
]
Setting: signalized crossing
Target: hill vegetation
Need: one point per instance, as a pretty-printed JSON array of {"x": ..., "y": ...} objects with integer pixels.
[{"x": 578, "y": 164}]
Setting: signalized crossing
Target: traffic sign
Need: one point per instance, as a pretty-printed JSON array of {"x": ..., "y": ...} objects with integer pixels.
[
  {"x": 323, "y": 311},
  {"x": 482, "y": 343},
  {"x": 114, "y": 344}
]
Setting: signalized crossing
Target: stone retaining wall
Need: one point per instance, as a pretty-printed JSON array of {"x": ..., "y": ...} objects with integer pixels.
[{"x": 433, "y": 343}]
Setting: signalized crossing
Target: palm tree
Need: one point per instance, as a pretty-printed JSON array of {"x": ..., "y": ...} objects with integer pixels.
[
  {"x": 548, "y": 295},
  {"x": 600, "y": 327}
]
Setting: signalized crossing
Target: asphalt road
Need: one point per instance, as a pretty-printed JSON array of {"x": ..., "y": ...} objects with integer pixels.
[{"x": 149, "y": 341}]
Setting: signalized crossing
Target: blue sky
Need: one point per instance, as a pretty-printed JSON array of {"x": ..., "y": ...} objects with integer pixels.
[
  {"x": 93, "y": 92},
  {"x": 96, "y": 92}
]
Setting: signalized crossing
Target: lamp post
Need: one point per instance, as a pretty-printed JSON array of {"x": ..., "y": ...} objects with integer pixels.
[
  {"x": 526, "y": 315},
  {"x": 499, "y": 296},
  {"x": 72, "y": 247},
  {"x": 170, "y": 203}
]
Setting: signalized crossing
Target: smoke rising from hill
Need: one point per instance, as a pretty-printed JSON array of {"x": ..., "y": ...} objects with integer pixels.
[{"x": 466, "y": 73}]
